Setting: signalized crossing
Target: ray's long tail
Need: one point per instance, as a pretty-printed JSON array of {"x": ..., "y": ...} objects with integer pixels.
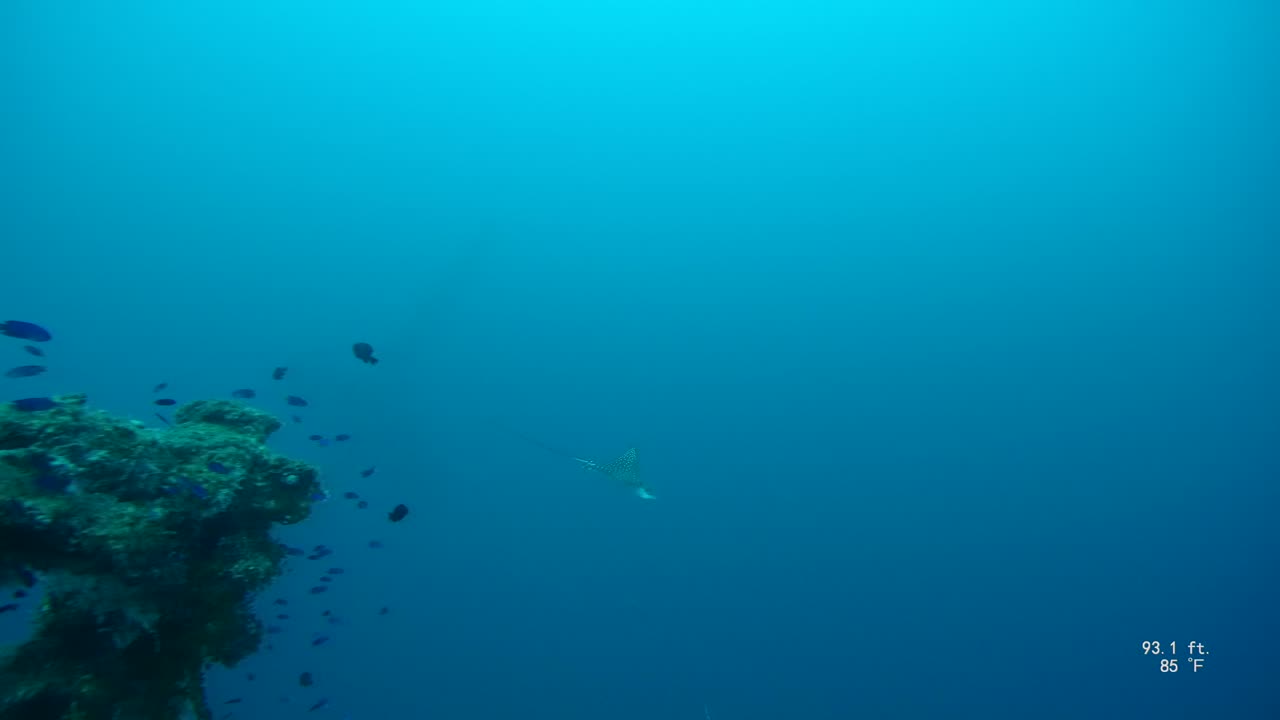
[{"x": 533, "y": 441}]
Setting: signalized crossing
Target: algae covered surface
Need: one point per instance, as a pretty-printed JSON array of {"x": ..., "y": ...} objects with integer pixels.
[{"x": 149, "y": 544}]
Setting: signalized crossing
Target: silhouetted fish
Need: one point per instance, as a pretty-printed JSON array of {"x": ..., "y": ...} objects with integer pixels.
[
  {"x": 243, "y": 393},
  {"x": 33, "y": 350},
  {"x": 364, "y": 353},
  {"x": 278, "y": 373},
  {"x": 160, "y": 387},
  {"x": 398, "y": 513},
  {"x": 25, "y": 331},
  {"x": 305, "y": 680},
  {"x": 296, "y": 401},
  {"x": 166, "y": 401},
  {"x": 34, "y": 404},
  {"x": 25, "y": 371},
  {"x": 342, "y": 437},
  {"x": 368, "y": 471}
]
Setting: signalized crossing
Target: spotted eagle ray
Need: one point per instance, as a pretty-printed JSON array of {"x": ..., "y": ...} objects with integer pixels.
[{"x": 625, "y": 469}]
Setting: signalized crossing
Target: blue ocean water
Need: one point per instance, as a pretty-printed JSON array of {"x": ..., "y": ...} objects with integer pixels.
[{"x": 946, "y": 332}]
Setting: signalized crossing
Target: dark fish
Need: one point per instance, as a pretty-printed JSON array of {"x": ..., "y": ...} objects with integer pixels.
[
  {"x": 318, "y": 548},
  {"x": 160, "y": 387},
  {"x": 350, "y": 495},
  {"x": 19, "y": 594},
  {"x": 315, "y": 437},
  {"x": 368, "y": 471},
  {"x": 318, "y": 497},
  {"x": 320, "y": 640},
  {"x": 314, "y": 557},
  {"x": 219, "y": 468},
  {"x": 305, "y": 680},
  {"x": 280, "y": 601},
  {"x": 243, "y": 393},
  {"x": 384, "y": 610},
  {"x": 199, "y": 491},
  {"x": 398, "y": 513},
  {"x": 322, "y": 442},
  {"x": 362, "y": 504},
  {"x": 233, "y": 701},
  {"x": 375, "y": 544},
  {"x": 282, "y": 616},
  {"x": 278, "y": 373},
  {"x": 335, "y": 620},
  {"x": 294, "y": 551},
  {"x": 342, "y": 437},
  {"x": 319, "y": 704},
  {"x": 335, "y": 571},
  {"x": 164, "y": 419},
  {"x": 250, "y": 677},
  {"x": 33, "y": 350},
  {"x": 296, "y": 401},
  {"x": 364, "y": 353},
  {"x": 318, "y": 589},
  {"x": 166, "y": 401},
  {"x": 34, "y": 404},
  {"x": 295, "y": 418},
  {"x": 8, "y": 607},
  {"x": 25, "y": 371},
  {"x": 326, "y": 613},
  {"x": 274, "y": 629},
  {"x": 326, "y": 578},
  {"x": 25, "y": 331}
]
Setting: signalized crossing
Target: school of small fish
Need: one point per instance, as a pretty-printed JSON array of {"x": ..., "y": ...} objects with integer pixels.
[{"x": 51, "y": 480}]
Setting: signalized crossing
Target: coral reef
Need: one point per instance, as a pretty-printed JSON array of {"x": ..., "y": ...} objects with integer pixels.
[{"x": 150, "y": 544}]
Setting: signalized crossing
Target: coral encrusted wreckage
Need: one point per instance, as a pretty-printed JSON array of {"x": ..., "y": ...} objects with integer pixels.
[{"x": 149, "y": 546}]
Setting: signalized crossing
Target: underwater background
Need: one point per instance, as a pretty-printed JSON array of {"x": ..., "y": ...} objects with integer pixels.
[{"x": 946, "y": 333}]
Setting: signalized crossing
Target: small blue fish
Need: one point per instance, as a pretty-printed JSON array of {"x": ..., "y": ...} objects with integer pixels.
[
  {"x": 199, "y": 491},
  {"x": 288, "y": 550},
  {"x": 278, "y": 373},
  {"x": 164, "y": 419},
  {"x": 159, "y": 387},
  {"x": 25, "y": 331},
  {"x": 33, "y": 350},
  {"x": 335, "y": 571},
  {"x": 295, "y": 418},
  {"x": 318, "y": 589},
  {"x": 34, "y": 404},
  {"x": 342, "y": 437},
  {"x": 273, "y": 629},
  {"x": 368, "y": 471},
  {"x": 375, "y": 544},
  {"x": 243, "y": 393},
  {"x": 322, "y": 639},
  {"x": 319, "y": 704},
  {"x": 25, "y": 371},
  {"x": 296, "y": 401},
  {"x": 165, "y": 402},
  {"x": 219, "y": 468},
  {"x": 319, "y": 496}
]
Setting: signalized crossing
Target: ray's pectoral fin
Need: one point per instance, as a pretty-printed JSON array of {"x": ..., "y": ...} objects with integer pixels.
[{"x": 626, "y": 470}]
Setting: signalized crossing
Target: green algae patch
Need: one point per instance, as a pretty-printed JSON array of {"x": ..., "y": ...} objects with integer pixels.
[{"x": 151, "y": 543}]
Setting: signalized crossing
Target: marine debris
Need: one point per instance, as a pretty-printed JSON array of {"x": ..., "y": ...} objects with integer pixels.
[{"x": 149, "y": 545}]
